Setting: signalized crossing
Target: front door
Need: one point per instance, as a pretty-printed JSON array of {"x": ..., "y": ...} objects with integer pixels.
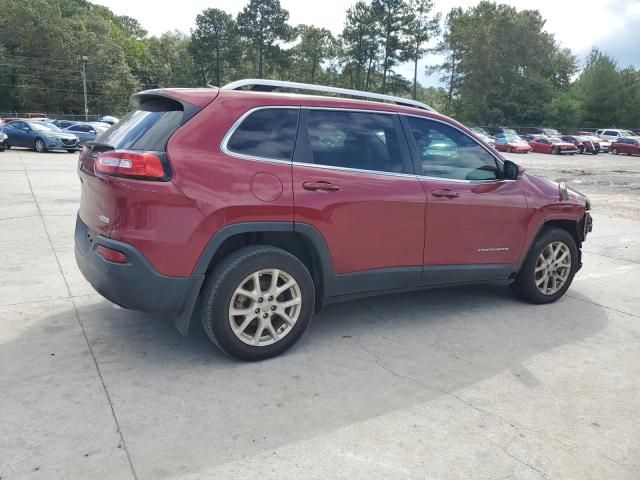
[
  {"x": 353, "y": 182},
  {"x": 475, "y": 222}
]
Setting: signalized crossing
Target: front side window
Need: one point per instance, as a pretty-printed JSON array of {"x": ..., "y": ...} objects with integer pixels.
[
  {"x": 611, "y": 133},
  {"x": 268, "y": 133},
  {"x": 358, "y": 140},
  {"x": 446, "y": 152}
]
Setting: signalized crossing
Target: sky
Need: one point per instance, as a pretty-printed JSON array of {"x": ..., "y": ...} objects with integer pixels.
[{"x": 611, "y": 25}]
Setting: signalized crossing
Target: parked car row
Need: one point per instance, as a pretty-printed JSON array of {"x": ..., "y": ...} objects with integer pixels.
[
  {"x": 550, "y": 140},
  {"x": 44, "y": 134}
]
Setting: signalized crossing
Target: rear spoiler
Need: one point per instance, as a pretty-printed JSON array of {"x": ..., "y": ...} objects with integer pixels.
[{"x": 195, "y": 97}]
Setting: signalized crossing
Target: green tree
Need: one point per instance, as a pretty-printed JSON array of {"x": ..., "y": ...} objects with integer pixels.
[
  {"x": 599, "y": 89},
  {"x": 359, "y": 45},
  {"x": 315, "y": 46},
  {"x": 629, "y": 115},
  {"x": 422, "y": 27},
  {"x": 503, "y": 66},
  {"x": 213, "y": 43},
  {"x": 261, "y": 24},
  {"x": 392, "y": 18}
]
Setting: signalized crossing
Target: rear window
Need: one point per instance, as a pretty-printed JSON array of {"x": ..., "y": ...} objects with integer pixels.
[
  {"x": 148, "y": 127},
  {"x": 268, "y": 133}
]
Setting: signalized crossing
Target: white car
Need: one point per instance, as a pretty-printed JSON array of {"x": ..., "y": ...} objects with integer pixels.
[{"x": 612, "y": 134}]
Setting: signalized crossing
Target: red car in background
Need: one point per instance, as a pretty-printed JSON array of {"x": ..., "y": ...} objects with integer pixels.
[
  {"x": 629, "y": 146},
  {"x": 552, "y": 145},
  {"x": 582, "y": 143},
  {"x": 512, "y": 143}
]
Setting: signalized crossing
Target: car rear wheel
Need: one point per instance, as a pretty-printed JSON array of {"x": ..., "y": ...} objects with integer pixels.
[
  {"x": 549, "y": 268},
  {"x": 39, "y": 146},
  {"x": 614, "y": 151},
  {"x": 555, "y": 151},
  {"x": 257, "y": 302}
]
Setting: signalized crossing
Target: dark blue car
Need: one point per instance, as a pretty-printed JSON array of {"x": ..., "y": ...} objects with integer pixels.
[
  {"x": 86, "y": 132},
  {"x": 40, "y": 136}
]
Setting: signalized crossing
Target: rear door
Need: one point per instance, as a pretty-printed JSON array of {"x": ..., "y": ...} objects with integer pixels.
[
  {"x": 475, "y": 221},
  {"x": 17, "y": 135},
  {"x": 353, "y": 181}
]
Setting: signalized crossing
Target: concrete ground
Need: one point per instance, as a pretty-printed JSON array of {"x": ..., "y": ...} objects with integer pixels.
[{"x": 444, "y": 384}]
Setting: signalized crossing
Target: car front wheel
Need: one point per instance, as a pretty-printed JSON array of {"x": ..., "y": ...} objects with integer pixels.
[
  {"x": 257, "y": 302},
  {"x": 549, "y": 268},
  {"x": 614, "y": 151},
  {"x": 39, "y": 146}
]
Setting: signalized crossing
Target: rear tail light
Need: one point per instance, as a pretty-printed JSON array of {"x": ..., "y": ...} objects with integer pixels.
[
  {"x": 124, "y": 163},
  {"x": 112, "y": 255}
]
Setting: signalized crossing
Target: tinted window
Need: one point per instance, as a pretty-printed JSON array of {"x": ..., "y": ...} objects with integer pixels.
[
  {"x": 448, "y": 153},
  {"x": 266, "y": 133},
  {"x": 611, "y": 133},
  {"x": 146, "y": 128},
  {"x": 364, "y": 141}
]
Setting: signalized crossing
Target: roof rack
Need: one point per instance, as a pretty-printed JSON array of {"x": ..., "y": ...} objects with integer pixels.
[{"x": 264, "y": 85}]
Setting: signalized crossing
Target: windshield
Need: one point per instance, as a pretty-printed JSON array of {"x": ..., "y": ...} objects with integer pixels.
[
  {"x": 514, "y": 138},
  {"x": 509, "y": 131},
  {"x": 480, "y": 130},
  {"x": 43, "y": 127},
  {"x": 627, "y": 133},
  {"x": 555, "y": 140}
]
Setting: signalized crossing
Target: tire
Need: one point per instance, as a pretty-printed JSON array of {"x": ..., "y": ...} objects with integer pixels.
[
  {"x": 39, "y": 145},
  {"x": 525, "y": 285},
  {"x": 581, "y": 150},
  {"x": 71, "y": 150},
  {"x": 222, "y": 288},
  {"x": 509, "y": 150},
  {"x": 614, "y": 151},
  {"x": 555, "y": 151}
]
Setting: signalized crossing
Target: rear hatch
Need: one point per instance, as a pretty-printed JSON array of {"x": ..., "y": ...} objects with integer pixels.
[{"x": 132, "y": 153}]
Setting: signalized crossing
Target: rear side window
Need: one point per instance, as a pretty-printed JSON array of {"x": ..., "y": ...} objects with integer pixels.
[
  {"x": 363, "y": 141},
  {"x": 148, "y": 127},
  {"x": 268, "y": 133},
  {"x": 611, "y": 133}
]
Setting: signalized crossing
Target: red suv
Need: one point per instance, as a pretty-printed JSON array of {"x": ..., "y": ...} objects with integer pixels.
[{"x": 251, "y": 209}]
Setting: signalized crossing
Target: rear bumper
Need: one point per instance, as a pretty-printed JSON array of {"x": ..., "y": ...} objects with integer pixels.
[{"x": 135, "y": 285}]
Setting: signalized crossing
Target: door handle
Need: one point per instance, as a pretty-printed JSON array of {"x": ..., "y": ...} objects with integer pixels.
[
  {"x": 321, "y": 186},
  {"x": 445, "y": 193}
]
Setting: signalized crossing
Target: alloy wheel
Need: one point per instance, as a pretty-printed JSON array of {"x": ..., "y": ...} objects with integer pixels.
[
  {"x": 39, "y": 146},
  {"x": 265, "y": 307},
  {"x": 553, "y": 268}
]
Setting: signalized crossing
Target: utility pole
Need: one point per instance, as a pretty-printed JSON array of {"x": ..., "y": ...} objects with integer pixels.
[{"x": 82, "y": 59}]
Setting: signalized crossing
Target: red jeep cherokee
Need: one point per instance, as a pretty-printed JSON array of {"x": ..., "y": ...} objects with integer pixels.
[{"x": 252, "y": 209}]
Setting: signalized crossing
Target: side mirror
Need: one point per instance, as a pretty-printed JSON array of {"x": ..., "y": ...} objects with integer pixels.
[
  {"x": 26, "y": 129},
  {"x": 510, "y": 170},
  {"x": 92, "y": 131}
]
